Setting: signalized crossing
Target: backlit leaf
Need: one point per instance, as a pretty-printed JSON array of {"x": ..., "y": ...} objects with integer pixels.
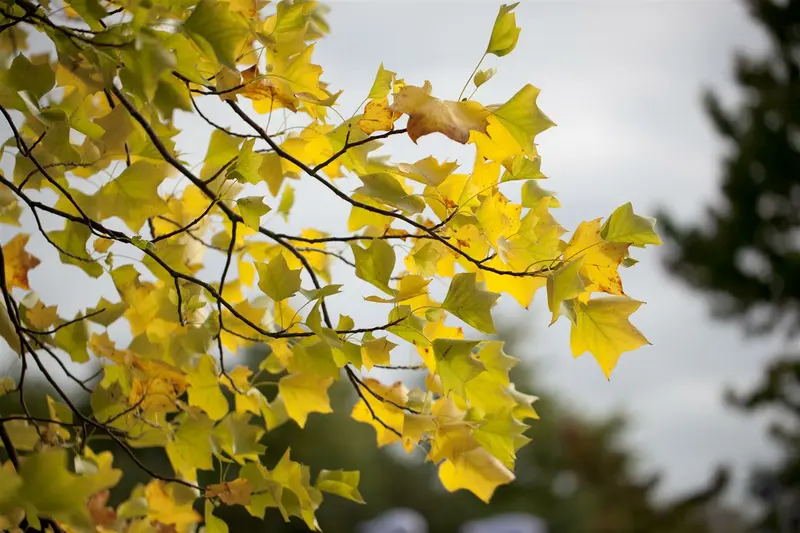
[
  {"x": 602, "y": 327},
  {"x": 469, "y": 302}
]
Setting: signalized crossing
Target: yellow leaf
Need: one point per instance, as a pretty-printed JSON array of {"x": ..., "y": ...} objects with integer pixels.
[
  {"x": 236, "y": 492},
  {"x": 428, "y": 170},
  {"x": 18, "y": 262},
  {"x": 409, "y": 286},
  {"x": 522, "y": 289},
  {"x": 376, "y": 351},
  {"x": 377, "y": 117},
  {"x": 304, "y": 394},
  {"x": 41, "y": 317},
  {"x": 477, "y": 471},
  {"x": 600, "y": 259},
  {"x": 266, "y": 96},
  {"x": 386, "y": 415},
  {"x": 602, "y": 327},
  {"x": 204, "y": 391},
  {"x": 430, "y": 115},
  {"x": 162, "y": 506}
]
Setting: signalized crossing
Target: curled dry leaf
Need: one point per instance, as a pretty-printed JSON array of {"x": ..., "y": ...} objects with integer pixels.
[
  {"x": 427, "y": 114},
  {"x": 259, "y": 89}
]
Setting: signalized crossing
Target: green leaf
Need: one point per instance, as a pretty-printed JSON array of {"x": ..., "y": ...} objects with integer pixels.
[
  {"x": 238, "y": 438},
  {"x": 522, "y": 117},
  {"x": 133, "y": 195},
  {"x": 533, "y": 193},
  {"x": 73, "y": 338},
  {"x": 382, "y": 85},
  {"x": 247, "y": 165},
  {"x": 505, "y": 32},
  {"x": 323, "y": 292},
  {"x": 375, "y": 264},
  {"x": 625, "y": 226},
  {"x": 221, "y": 149},
  {"x": 189, "y": 447},
  {"x": 387, "y": 189},
  {"x": 522, "y": 168},
  {"x": 277, "y": 280},
  {"x": 144, "y": 65},
  {"x": 204, "y": 391},
  {"x": 252, "y": 208},
  {"x": 91, "y": 11},
  {"x": 469, "y": 302},
  {"x": 217, "y": 30},
  {"x": 343, "y": 483},
  {"x": 213, "y": 524},
  {"x": 38, "y": 79},
  {"x": 564, "y": 284},
  {"x": 111, "y": 312},
  {"x": 408, "y": 327},
  {"x": 287, "y": 201},
  {"x": 455, "y": 364},
  {"x": 49, "y": 489}
]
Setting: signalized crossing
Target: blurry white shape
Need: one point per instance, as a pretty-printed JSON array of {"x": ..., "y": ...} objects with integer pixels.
[
  {"x": 396, "y": 521},
  {"x": 506, "y": 523}
]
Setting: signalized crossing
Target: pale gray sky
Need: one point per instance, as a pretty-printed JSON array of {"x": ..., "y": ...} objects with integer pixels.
[{"x": 623, "y": 80}]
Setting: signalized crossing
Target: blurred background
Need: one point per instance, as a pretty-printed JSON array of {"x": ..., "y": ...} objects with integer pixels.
[{"x": 690, "y": 109}]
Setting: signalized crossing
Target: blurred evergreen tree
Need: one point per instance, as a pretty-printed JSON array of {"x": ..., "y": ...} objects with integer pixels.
[{"x": 746, "y": 253}]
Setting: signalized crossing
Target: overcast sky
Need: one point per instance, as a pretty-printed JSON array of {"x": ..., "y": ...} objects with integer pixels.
[{"x": 623, "y": 80}]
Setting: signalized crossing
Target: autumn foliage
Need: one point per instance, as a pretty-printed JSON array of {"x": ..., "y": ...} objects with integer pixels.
[{"x": 199, "y": 271}]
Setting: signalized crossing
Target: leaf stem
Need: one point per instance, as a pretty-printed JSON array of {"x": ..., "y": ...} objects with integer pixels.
[{"x": 471, "y": 76}]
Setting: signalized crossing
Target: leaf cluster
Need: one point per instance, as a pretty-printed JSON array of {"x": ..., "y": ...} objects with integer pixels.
[{"x": 98, "y": 114}]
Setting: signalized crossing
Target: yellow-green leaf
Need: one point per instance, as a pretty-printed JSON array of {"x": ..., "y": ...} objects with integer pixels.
[
  {"x": 382, "y": 85},
  {"x": 204, "y": 391},
  {"x": 217, "y": 30},
  {"x": 387, "y": 189},
  {"x": 564, "y": 284},
  {"x": 277, "y": 280},
  {"x": 375, "y": 264},
  {"x": 522, "y": 117},
  {"x": 343, "y": 483},
  {"x": 482, "y": 76},
  {"x": 505, "y": 32},
  {"x": 455, "y": 364},
  {"x": 625, "y": 226},
  {"x": 469, "y": 302},
  {"x": 304, "y": 394},
  {"x": 252, "y": 208}
]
